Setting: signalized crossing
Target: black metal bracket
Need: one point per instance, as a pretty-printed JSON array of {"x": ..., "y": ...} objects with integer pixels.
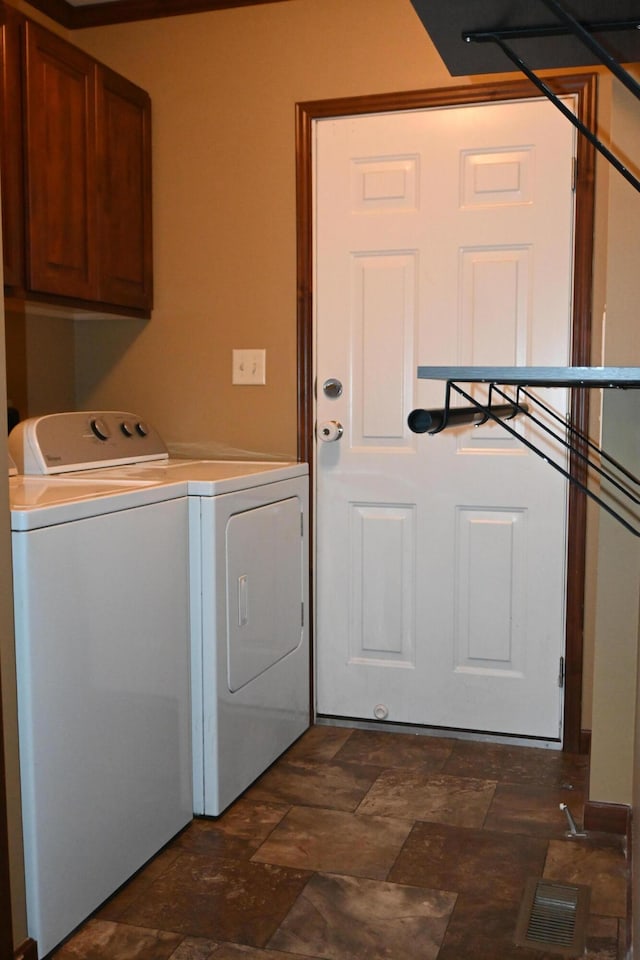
[
  {"x": 626, "y": 485},
  {"x": 584, "y": 32},
  {"x": 433, "y": 421}
]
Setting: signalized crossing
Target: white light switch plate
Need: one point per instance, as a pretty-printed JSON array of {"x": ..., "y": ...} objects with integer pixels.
[{"x": 249, "y": 366}]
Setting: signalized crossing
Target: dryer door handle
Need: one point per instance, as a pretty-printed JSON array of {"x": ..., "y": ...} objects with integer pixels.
[{"x": 243, "y": 600}]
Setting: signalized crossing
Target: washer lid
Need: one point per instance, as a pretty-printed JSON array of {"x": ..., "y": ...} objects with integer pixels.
[{"x": 46, "y": 501}]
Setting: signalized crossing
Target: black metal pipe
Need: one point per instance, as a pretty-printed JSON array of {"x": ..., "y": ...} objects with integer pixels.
[
  {"x": 548, "y": 30},
  {"x": 433, "y": 421},
  {"x": 571, "y": 117},
  {"x": 552, "y": 463},
  {"x": 592, "y": 44},
  {"x": 572, "y": 448},
  {"x": 582, "y": 437}
]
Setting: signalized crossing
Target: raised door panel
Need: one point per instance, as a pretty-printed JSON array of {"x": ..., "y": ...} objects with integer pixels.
[
  {"x": 124, "y": 174},
  {"x": 11, "y": 147},
  {"x": 61, "y": 171}
]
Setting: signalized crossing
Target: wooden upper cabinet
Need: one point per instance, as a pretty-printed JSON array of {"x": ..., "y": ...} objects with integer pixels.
[{"x": 85, "y": 148}]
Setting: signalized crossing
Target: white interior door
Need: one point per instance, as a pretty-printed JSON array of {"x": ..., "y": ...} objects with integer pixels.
[{"x": 443, "y": 236}]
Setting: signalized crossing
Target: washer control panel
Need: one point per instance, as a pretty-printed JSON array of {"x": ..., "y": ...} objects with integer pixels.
[{"x": 63, "y": 442}]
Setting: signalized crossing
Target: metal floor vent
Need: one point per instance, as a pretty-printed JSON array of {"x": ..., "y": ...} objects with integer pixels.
[{"x": 553, "y": 917}]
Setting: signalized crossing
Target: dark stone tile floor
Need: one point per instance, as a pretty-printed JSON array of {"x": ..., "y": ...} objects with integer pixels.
[{"x": 363, "y": 845}]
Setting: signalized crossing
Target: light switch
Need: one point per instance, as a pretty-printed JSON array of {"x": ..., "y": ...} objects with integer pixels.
[{"x": 249, "y": 366}]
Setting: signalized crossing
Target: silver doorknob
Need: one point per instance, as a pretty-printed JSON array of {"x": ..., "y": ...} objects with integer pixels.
[{"x": 330, "y": 430}]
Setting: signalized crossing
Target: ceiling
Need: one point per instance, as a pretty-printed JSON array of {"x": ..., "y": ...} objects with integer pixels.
[{"x": 75, "y": 14}]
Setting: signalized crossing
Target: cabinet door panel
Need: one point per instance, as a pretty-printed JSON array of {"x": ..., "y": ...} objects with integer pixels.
[
  {"x": 61, "y": 169},
  {"x": 124, "y": 173}
]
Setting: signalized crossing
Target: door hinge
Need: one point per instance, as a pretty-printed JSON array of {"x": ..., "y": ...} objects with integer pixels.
[
  {"x": 302, "y": 524},
  {"x": 302, "y": 614},
  {"x": 574, "y": 173},
  {"x": 561, "y": 673}
]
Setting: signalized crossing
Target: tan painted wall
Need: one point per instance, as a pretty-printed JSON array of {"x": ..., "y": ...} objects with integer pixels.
[
  {"x": 635, "y": 853},
  {"x": 618, "y": 586}
]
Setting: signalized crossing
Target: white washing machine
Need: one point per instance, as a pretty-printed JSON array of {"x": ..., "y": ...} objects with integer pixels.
[
  {"x": 101, "y": 603},
  {"x": 249, "y": 577}
]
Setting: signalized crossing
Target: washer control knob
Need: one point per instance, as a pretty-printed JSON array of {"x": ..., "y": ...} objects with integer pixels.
[
  {"x": 127, "y": 429},
  {"x": 141, "y": 428},
  {"x": 100, "y": 429}
]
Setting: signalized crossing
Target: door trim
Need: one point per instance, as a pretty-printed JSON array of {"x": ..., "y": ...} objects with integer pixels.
[{"x": 584, "y": 88}]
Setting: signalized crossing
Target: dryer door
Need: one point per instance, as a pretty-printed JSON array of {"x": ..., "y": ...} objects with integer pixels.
[{"x": 265, "y": 590}]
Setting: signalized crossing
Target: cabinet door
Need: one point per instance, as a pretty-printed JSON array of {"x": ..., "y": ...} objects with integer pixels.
[
  {"x": 11, "y": 146},
  {"x": 124, "y": 175},
  {"x": 61, "y": 169}
]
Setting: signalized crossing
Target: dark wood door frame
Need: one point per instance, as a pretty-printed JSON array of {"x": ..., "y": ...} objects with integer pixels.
[{"x": 583, "y": 87}]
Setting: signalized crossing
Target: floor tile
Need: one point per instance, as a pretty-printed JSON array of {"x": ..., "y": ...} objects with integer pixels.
[
  {"x": 600, "y": 865},
  {"x": 113, "y": 908},
  {"x": 319, "y": 743},
  {"x": 414, "y": 793},
  {"x": 513, "y": 764},
  {"x": 344, "y": 918},
  {"x": 396, "y": 750},
  {"x": 237, "y": 833},
  {"x": 482, "y": 863},
  {"x": 520, "y": 808},
  {"x": 336, "y": 842},
  {"x": 194, "y": 948},
  {"x": 483, "y": 930},
  {"x": 603, "y": 935},
  {"x": 219, "y": 899},
  {"x": 234, "y": 951},
  {"x": 105, "y": 940},
  {"x": 338, "y": 786},
  {"x": 368, "y": 845}
]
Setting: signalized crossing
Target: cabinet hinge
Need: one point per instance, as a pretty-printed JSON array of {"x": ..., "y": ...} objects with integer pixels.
[
  {"x": 302, "y": 524},
  {"x": 302, "y": 614},
  {"x": 561, "y": 673}
]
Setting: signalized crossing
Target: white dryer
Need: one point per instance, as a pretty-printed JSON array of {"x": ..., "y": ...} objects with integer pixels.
[{"x": 250, "y": 629}]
